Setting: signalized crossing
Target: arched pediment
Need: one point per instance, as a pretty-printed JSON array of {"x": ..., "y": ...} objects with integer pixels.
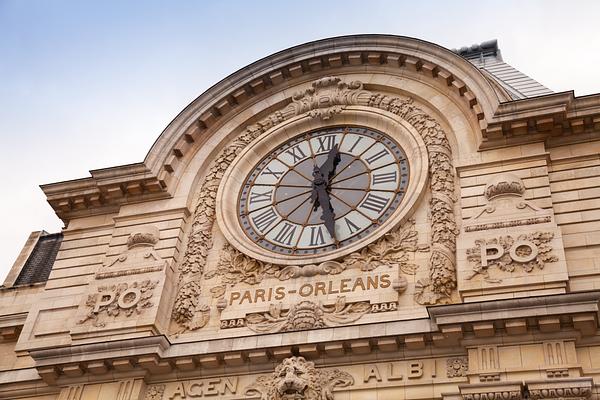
[{"x": 402, "y": 56}]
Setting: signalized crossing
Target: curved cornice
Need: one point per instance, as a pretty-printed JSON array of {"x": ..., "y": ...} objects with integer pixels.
[
  {"x": 502, "y": 122},
  {"x": 376, "y": 50}
]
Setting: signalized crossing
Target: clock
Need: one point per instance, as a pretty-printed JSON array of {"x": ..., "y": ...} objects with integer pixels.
[{"x": 315, "y": 195}]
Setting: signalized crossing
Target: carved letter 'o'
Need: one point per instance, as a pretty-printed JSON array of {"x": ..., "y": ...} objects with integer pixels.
[
  {"x": 526, "y": 258},
  {"x": 128, "y": 304}
]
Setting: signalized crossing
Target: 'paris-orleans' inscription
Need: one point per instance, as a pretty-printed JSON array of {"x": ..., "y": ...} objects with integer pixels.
[{"x": 313, "y": 289}]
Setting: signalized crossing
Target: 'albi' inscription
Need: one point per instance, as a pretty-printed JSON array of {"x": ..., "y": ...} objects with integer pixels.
[{"x": 396, "y": 371}]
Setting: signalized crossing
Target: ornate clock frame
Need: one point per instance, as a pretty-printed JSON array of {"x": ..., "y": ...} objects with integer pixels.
[
  {"x": 327, "y": 97},
  {"x": 402, "y": 132}
]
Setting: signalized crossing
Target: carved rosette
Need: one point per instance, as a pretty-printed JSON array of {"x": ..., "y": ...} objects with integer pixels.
[
  {"x": 326, "y": 97},
  {"x": 457, "y": 367},
  {"x": 155, "y": 392},
  {"x": 298, "y": 379}
]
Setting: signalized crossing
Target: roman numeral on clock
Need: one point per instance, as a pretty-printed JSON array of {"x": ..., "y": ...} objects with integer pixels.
[
  {"x": 316, "y": 236},
  {"x": 374, "y": 202},
  {"x": 269, "y": 171},
  {"x": 355, "y": 143},
  {"x": 297, "y": 153},
  {"x": 265, "y": 219},
  {"x": 256, "y": 197},
  {"x": 326, "y": 143},
  {"x": 384, "y": 177},
  {"x": 286, "y": 234},
  {"x": 377, "y": 156},
  {"x": 352, "y": 227}
]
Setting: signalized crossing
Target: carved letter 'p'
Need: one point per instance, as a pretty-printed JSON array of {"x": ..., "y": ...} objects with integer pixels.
[
  {"x": 486, "y": 256},
  {"x": 104, "y": 300}
]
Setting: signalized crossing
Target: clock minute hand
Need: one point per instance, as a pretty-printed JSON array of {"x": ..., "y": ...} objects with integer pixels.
[
  {"x": 320, "y": 197},
  {"x": 328, "y": 215},
  {"x": 320, "y": 193}
]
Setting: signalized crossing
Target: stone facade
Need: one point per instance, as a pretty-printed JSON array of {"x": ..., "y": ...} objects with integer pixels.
[{"x": 484, "y": 285}]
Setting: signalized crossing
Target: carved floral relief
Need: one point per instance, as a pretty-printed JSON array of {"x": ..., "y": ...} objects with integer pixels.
[
  {"x": 298, "y": 379},
  {"x": 390, "y": 250}
]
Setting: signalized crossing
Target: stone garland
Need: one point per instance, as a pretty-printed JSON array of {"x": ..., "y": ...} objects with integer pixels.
[
  {"x": 442, "y": 269},
  {"x": 200, "y": 239},
  {"x": 326, "y": 97}
]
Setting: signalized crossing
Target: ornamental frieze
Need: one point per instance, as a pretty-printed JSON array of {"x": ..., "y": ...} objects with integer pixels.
[
  {"x": 393, "y": 249},
  {"x": 297, "y": 378}
]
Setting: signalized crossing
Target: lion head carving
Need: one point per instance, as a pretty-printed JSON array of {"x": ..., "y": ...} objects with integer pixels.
[{"x": 298, "y": 379}]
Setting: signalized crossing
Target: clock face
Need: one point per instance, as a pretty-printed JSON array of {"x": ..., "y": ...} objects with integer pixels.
[{"x": 323, "y": 190}]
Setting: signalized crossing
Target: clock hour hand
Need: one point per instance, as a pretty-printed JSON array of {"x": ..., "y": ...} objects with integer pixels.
[
  {"x": 320, "y": 197},
  {"x": 328, "y": 215}
]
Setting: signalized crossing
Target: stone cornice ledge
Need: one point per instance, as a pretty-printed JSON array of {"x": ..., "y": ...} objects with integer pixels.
[
  {"x": 566, "y": 389},
  {"x": 572, "y": 304},
  {"x": 510, "y": 390},
  {"x": 96, "y": 351},
  {"x": 543, "y": 118},
  {"x": 24, "y": 382},
  {"x": 104, "y": 191},
  {"x": 443, "y": 332}
]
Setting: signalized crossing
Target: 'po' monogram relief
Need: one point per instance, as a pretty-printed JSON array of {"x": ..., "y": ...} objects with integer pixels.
[
  {"x": 527, "y": 251},
  {"x": 112, "y": 300}
]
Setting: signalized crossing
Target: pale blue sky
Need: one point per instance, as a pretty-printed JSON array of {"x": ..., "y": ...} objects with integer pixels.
[{"x": 86, "y": 85}]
